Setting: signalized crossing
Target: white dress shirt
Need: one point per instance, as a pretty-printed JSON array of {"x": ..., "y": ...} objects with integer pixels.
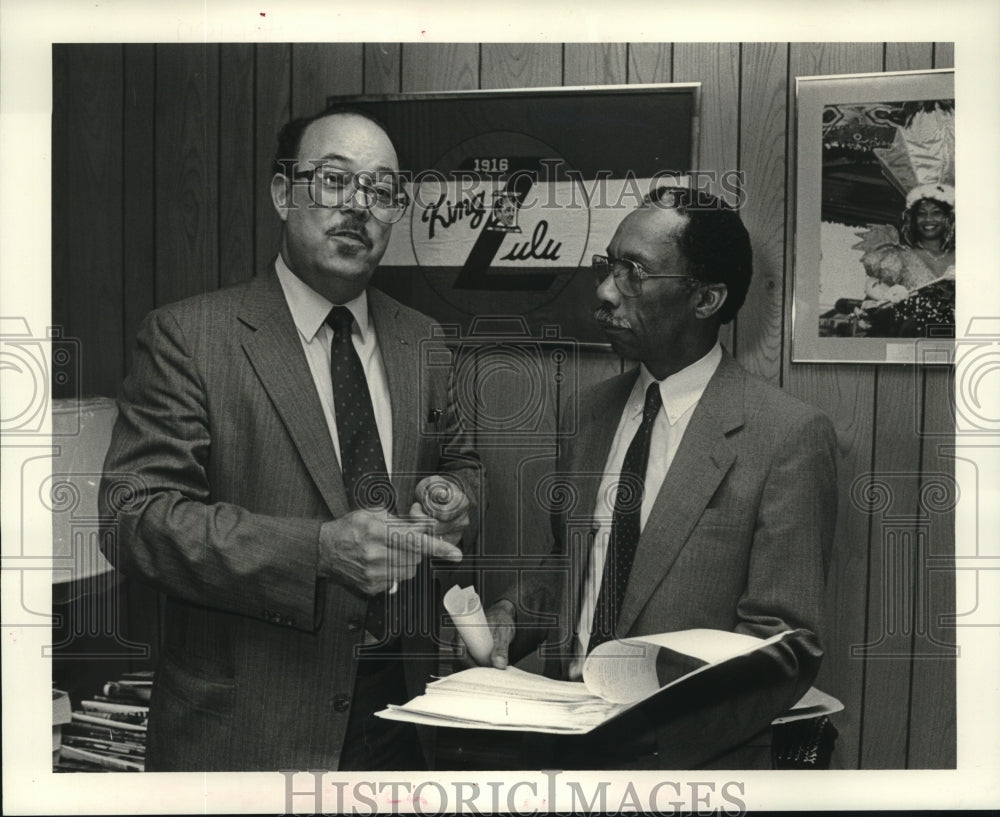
[
  {"x": 309, "y": 311},
  {"x": 680, "y": 393}
]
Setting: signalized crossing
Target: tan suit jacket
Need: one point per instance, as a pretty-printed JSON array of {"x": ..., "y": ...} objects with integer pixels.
[
  {"x": 738, "y": 539},
  {"x": 222, "y": 432}
]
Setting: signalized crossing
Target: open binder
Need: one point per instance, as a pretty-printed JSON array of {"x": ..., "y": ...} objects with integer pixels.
[{"x": 618, "y": 677}]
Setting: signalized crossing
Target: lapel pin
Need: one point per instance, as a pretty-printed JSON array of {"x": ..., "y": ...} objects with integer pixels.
[{"x": 434, "y": 415}]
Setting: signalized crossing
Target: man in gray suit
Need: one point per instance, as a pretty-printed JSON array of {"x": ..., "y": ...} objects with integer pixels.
[
  {"x": 727, "y": 507},
  {"x": 294, "y": 468}
]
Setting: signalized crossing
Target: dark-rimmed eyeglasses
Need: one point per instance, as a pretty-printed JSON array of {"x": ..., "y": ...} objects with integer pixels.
[
  {"x": 332, "y": 186},
  {"x": 628, "y": 274}
]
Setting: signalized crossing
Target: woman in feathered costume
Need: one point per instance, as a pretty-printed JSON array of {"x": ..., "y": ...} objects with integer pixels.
[
  {"x": 929, "y": 226},
  {"x": 911, "y": 274},
  {"x": 921, "y": 252}
]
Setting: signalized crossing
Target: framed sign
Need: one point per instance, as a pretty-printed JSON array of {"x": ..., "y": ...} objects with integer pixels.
[
  {"x": 874, "y": 276},
  {"x": 513, "y": 191}
]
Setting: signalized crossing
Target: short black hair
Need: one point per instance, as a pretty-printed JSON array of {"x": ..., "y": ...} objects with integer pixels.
[
  {"x": 290, "y": 135},
  {"x": 714, "y": 241}
]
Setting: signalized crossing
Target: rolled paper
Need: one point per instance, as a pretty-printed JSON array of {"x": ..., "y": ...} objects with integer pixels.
[{"x": 465, "y": 609}]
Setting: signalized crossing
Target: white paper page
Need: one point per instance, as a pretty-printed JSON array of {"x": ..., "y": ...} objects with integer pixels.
[
  {"x": 398, "y": 713},
  {"x": 711, "y": 646},
  {"x": 487, "y": 681},
  {"x": 511, "y": 711},
  {"x": 621, "y": 671}
]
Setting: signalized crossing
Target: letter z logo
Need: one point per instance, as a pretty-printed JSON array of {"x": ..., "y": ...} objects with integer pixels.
[{"x": 476, "y": 272}]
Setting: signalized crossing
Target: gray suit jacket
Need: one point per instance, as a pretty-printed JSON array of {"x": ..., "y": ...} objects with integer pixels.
[
  {"x": 222, "y": 437},
  {"x": 738, "y": 539}
]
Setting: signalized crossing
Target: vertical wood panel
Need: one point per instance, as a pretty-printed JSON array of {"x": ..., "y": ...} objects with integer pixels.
[
  {"x": 382, "y": 68},
  {"x": 908, "y": 56},
  {"x": 320, "y": 70},
  {"x": 848, "y": 398},
  {"x": 272, "y": 108},
  {"x": 138, "y": 235},
  {"x": 187, "y": 99},
  {"x": 87, "y": 212},
  {"x": 809, "y": 59},
  {"x": 236, "y": 163},
  {"x": 440, "y": 67},
  {"x": 847, "y": 395},
  {"x": 515, "y": 522},
  {"x": 944, "y": 55},
  {"x": 102, "y": 262},
  {"x": 895, "y": 543},
  {"x": 520, "y": 65},
  {"x": 763, "y": 128},
  {"x": 594, "y": 64},
  {"x": 893, "y": 550},
  {"x": 650, "y": 62},
  {"x": 716, "y": 66},
  {"x": 933, "y": 740}
]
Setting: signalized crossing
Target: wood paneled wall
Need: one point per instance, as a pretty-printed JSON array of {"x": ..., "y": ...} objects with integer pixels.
[{"x": 161, "y": 159}]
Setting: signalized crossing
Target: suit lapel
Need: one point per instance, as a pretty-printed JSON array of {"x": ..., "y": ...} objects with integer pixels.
[
  {"x": 702, "y": 460},
  {"x": 399, "y": 357},
  {"x": 275, "y": 352},
  {"x": 592, "y": 445}
]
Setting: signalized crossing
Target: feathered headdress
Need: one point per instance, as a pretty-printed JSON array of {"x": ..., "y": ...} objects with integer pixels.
[
  {"x": 943, "y": 193},
  {"x": 922, "y": 154}
]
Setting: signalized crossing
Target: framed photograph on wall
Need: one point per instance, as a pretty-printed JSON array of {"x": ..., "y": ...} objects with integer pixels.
[
  {"x": 874, "y": 274},
  {"x": 513, "y": 191}
]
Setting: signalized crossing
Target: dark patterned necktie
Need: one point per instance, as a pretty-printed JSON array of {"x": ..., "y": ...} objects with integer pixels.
[
  {"x": 362, "y": 462},
  {"x": 625, "y": 524}
]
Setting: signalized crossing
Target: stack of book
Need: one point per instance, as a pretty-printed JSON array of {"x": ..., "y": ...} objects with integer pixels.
[{"x": 108, "y": 732}]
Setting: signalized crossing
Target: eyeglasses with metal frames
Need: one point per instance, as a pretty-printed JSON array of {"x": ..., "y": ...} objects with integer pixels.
[
  {"x": 628, "y": 274},
  {"x": 332, "y": 186}
]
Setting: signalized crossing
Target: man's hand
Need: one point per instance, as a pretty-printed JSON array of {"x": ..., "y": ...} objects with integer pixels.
[
  {"x": 444, "y": 501},
  {"x": 369, "y": 550},
  {"x": 500, "y": 617}
]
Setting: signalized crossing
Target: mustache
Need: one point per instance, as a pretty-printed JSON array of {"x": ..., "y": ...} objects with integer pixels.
[
  {"x": 354, "y": 227},
  {"x": 604, "y": 316}
]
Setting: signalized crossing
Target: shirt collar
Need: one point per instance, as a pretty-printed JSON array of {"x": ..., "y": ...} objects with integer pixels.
[
  {"x": 309, "y": 308},
  {"x": 680, "y": 391}
]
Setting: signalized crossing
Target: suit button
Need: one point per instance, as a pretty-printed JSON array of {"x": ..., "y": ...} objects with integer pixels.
[
  {"x": 354, "y": 625},
  {"x": 341, "y": 703}
]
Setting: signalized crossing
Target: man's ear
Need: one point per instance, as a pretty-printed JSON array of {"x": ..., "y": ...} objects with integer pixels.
[
  {"x": 281, "y": 193},
  {"x": 711, "y": 297}
]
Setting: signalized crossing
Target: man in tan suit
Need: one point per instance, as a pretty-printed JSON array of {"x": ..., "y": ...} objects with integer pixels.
[
  {"x": 296, "y": 469},
  {"x": 728, "y": 509}
]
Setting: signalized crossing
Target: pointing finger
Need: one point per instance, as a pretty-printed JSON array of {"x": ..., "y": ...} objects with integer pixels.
[{"x": 440, "y": 549}]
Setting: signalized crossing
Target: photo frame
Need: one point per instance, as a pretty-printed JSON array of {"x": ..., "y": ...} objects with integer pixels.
[
  {"x": 513, "y": 191},
  {"x": 874, "y": 270}
]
